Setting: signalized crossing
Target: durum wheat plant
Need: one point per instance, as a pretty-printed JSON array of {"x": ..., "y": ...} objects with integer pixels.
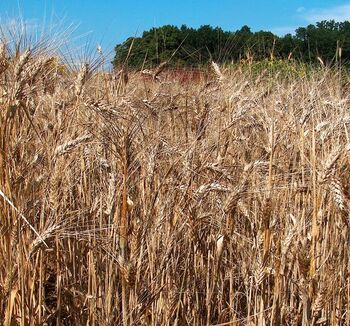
[{"x": 223, "y": 201}]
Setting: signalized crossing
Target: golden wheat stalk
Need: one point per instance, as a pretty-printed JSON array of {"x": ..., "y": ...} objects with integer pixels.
[
  {"x": 70, "y": 145},
  {"x": 219, "y": 75},
  {"x": 81, "y": 79}
]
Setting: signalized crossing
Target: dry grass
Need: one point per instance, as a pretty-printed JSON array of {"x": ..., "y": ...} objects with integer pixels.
[{"x": 221, "y": 202}]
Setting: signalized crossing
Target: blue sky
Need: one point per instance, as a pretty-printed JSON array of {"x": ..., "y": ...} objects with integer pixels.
[{"x": 109, "y": 22}]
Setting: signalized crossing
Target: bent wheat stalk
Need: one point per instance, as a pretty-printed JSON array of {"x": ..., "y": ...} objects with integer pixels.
[{"x": 23, "y": 217}]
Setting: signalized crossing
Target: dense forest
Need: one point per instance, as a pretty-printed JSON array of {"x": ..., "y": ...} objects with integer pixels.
[{"x": 186, "y": 46}]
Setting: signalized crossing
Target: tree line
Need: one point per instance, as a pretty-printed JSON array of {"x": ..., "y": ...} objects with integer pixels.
[{"x": 184, "y": 46}]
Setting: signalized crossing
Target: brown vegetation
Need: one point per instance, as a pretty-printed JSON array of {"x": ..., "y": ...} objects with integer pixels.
[{"x": 222, "y": 203}]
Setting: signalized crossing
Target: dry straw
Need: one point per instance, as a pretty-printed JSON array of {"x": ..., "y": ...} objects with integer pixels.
[{"x": 169, "y": 202}]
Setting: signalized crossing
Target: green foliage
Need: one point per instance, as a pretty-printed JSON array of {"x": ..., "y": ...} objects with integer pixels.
[
  {"x": 185, "y": 46},
  {"x": 273, "y": 69}
]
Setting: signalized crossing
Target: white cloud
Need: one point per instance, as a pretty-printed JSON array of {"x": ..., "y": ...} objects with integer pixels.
[
  {"x": 338, "y": 13},
  {"x": 313, "y": 15}
]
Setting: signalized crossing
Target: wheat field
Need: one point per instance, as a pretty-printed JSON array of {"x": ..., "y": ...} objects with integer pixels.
[{"x": 134, "y": 201}]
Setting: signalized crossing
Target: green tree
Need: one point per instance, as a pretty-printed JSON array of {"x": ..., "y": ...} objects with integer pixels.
[{"x": 187, "y": 46}]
